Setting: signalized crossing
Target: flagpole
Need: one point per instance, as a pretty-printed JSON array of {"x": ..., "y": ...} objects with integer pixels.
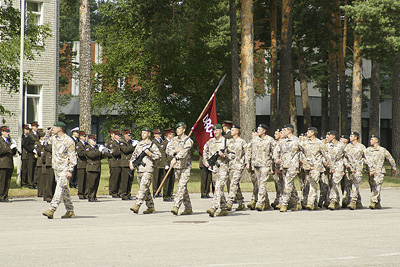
[{"x": 191, "y": 130}]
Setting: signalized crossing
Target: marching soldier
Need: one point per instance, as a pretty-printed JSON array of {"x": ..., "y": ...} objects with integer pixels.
[
  {"x": 179, "y": 149},
  {"x": 93, "y": 168},
  {"x": 215, "y": 148},
  {"x": 159, "y": 166},
  {"x": 260, "y": 154},
  {"x": 63, "y": 161},
  {"x": 375, "y": 156},
  {"x": 354, "y": 153},
  {"x": 226, "y": 127},
  {"x": 127, "y": 149},
  {"x": 277, "y": 175},
  {"x": 114, "y": 161},
  {"x": 81, "y": 166},
  {"x": 145, "y": 153},
  {"x": 236, "y": 156},
  {"x": 250, "y": 169},
  {"x": 8, "y": 149},
  {"x": 168, "y": 188},
  {"x": 345, "y": 184}
]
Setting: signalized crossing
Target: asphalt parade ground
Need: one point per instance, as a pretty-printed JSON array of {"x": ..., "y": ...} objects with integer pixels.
[{"x": 107, "y": 233}]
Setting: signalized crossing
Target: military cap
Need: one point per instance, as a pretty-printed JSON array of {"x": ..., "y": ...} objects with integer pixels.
[
  {"x": 278, "y": 130},
  {"x": 235, "y": 126},
  {"x": 82, "y": 133},
  {"x": 34, "y": 123},
  {"x": 332, "y": 132},
  {"x": 26, "y": 126},
  {"x": 112, "y": 131},
  {"x": 76, "y": 129},
  {"x": 227, "y": 123},
  {"x": 289, "y": 126},
  {"x": 92, "y": 136},
  {"x": 375, "y": 136},
  {"x": 313, "y": 129},
  {"x": 355, "y": 133},
  {"x": 127, "y": 131},
  {"x": 264, "y": 126},
  {"x": 168, "y": 131},
  {"x": 40, "y": 130},
  {"x": 60, "y": 124},
  {"x": 156, "y": 131},
  {"x": 146, "y": 129},
  {"x": 217, "y": 126},
  {"x": 344, "y": 136},
  {"x": 4, "y": 128},
  {"x": 41, "y": 134},
  {"x": 117, "y": 132},
  {"x": 179, "y": 124},
  {"x": 254, "y": 130}
]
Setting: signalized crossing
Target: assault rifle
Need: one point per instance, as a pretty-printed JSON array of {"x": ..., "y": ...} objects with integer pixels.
[
  {"x": 139, "y": 160},
  {"x": 213, "y": 161}
]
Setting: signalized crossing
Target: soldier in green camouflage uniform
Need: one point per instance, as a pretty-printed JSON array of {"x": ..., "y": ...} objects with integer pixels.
[
  {"x": 375, "y": 156},
  {"x": 145, "y": 173},
  {"x": 261, "y": 161},
  {"x": 254, "y": 196},
  {"x": 214, "y": 146},
  {"x": 63, "y": 162},
  {"x": 236, "y": 155},
  {"x": 179, "y": 148},
  {"x": 354, "y": 153}
]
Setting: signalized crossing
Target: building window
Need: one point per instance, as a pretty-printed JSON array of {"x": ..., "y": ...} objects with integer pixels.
[
  {"x": 32, "y": 103},
  {"x": 35, "y": 8}
]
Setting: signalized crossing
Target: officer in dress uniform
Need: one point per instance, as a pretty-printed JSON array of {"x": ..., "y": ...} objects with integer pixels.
[
  {"x": 8, "y": 148},
  {"x": 27, "y": 157},
  {"x": 73, "y": 182},
  {"x": 127, "y": 149},
  {"x": 159, "y": 166},
  {"x": 168, "y": 188},
  {"x": 81, "y": 166},
  {"x": 93, "y": 168}
]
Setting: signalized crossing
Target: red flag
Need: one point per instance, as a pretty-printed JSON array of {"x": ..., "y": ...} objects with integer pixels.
[{"x": 203, "y": 128}]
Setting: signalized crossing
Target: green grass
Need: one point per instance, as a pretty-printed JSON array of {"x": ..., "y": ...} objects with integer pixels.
[{"x": 193, "y": 186}]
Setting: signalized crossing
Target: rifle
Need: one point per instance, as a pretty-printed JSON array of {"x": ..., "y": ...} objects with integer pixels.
[
  {"x": 213, "y": 160},
  {"x": 139, "y": 160}
]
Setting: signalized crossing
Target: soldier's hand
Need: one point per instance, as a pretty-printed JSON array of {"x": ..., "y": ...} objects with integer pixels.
[
  {"x": 325, "y": 163},
  {"x": 130, "y": 165},
  {"x": 278, "y": 161},
  {"x": 148, "y": 152},
  {"x": 332, "y": 171},
  {"x": 173, "y": 162},
  {"x": 394, "y": 172},
  {"x": 222, "y": 155},
  {"x": 371, "y": 173},
  {"x": 206, "y": 164},
  {"x": 353, "y": 171},
  {"x": 69, "y": 175},
  {"x": 278, "y": 171},
  {"x": 348, "y": 166}
]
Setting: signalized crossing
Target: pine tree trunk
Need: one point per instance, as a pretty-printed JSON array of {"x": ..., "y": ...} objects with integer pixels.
[
  {"x": 85, "y": 64},
  {"x": 274, "y": 66},
  {"x": 286, "y": 63},
  {"x": 235, "y": 63},
  {"x": 356, "y": 104},
  {"x": 304, "y": 87},
  {"x": 374, "y": 100},
  {"x": 293, "y": 108},
  {"x": 395, "y": 114},
  {"x": 324, "y": 110}
]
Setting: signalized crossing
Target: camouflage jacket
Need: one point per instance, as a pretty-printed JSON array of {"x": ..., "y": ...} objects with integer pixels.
[
  {"x": 260, "y": 151},
  {"x": 148, "y": 161},
  {"x": 289, "y": 151},
  {"x": 316, "y": 151},
  {"x": 375, "y": 158},
  {"x": 236, "y": 151},
  {"x": 354, "y": 156},
  {"x": 183, "y": 158},
  {"x": 63, "y": 152},
  {"x": 213, "y": 146},
  {"x": 336, "y": 156}
]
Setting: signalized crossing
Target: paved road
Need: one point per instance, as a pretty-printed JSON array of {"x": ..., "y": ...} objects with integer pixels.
[{"x": 108, "y": 234}]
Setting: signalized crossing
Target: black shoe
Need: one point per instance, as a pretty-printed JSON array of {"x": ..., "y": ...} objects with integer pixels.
[
  {"x": 170, "y": 199},
  {"x": 208, "y": 196},
  {"x": 82, "y": 197},
  {"x": 126, "y": 198},
  {"x": 203, "y": 196},
  {"x": 6, "y": 200},
  {"x": 114, "y": 196}
]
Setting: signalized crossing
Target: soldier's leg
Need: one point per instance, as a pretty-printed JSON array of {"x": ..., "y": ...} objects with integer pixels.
[
  {"x": 31, "y": 172},
  {"x": 66, "y": 198},
  {"x": 262, "y": 183},
  {"x": 3, "y": 184},
  {"x": 324, "y": 189},
  {"x": 228, "y": 185},
  {"x": 24, "y": 172},
  {"x": 209, "y": 184},
  {"x": 62, "y": 182},
  {"x": 81, "y": 173},
  {"x": 346, "y": 189},
  {"x": 355, "y": 187},
  {"x": 96, "y": 185},
  {"x": 334, "y": 195},
  {"x": 237, "y": 175},
  {"x": 8, "y": 181},
  {"x": 219, "y": 199},
  {"x": 130, "y": 182},
  {"x": 313, "y": 177},
  {"x": 254, "y": 196},
  {"x": 203, "y": 182},
  {"x": 288, "y": 178},
  {"x": 38, "y": 174},
  {"x": 115, "y": 176},
  {"x": 146, "y": 181},
  {"x": 302, "y": 184},
  {"x": 156, "y": 173},
  {"x": 376, "y": 182},
  {"x": 124, "y": 182},
  {"x": 90, "y": 184},
  {"x": 185, "y": 176}
]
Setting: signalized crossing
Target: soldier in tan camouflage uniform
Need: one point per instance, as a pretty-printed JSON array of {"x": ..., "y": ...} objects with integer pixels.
[
  {"x": 375, "y": 156},
  {"x": 354, "y": 153},
  {"x": 316, "y": 151},
  {"x": 179, "y": 148},
  {"x": 261, "y": 161},
  {"x": 236, "y": 155},
  {"x": 278, "y": 179},
  {"x": 145, "y": 171},
  {"x": 254, "y": 196},
  {"x": 217, "y": 146},
  {"x": 345, "y": 184},
  {"x": 287, "y": 155},
  {"x": 63, "y": 162}
]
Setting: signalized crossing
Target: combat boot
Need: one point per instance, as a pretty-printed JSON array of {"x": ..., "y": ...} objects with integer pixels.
[
  {"x": 68, "y": 214},
  {"x": 187, "y": 212},
  {"x": 241, "y": 207},
  {"x": 49, "y": 213},
  {"x": 359, "y": 205},
  {"x": 229, "y": 206},
  {"x": 326, "y": 204},
  {"x": 252, "y": 205},
  {"x": 309, "y": 207},
  {"x": 372, "y": 205},
  {"x": 149, "y": 211},
  {"x": 223, "y": 212},
  {"x": 175, "y": 210},
  {"x": 260, "y": 207},
  {"x": 332, "y": 206},
  {"x": 378, "y": 205},
  {"x": 283, "y": 208},
  {"x": 278, "y": 206},
  {"x": 135, "y": 208},
  {"x": 352, "y": 206},
  {"x": 267, "y": 207},
  {"x": 211, "y": 212},
  {"x": 296, "y": 207}
]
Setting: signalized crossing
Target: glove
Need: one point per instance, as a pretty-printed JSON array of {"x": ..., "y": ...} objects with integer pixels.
[
  {"x": 166, "y": 167},
  {"x": 13, "y": 146},
  {"x": 13, "y": 141},
  {"x": 135, "y": 142},
  {"x": 34, "y": 151},
  {"x": 101, "y": 148}
]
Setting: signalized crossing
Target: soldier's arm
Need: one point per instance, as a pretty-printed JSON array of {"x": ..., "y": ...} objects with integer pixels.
[
  {"x": 155, "y": 153},
  {"x": 80, "y": 149},
  {"x": 116, "y": 150},
  {"x": 391, "y": 161},
  {"x": 187, "y": 146},
  {"x": 126, "y": 149},
  {"x": 91, "y": 153},
  {"x": 169, "y": 150},
  {"x": 72, "y": 159},
  {"x": 4, "y": 149}
]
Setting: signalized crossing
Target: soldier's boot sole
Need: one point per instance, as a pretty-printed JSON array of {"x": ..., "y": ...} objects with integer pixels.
[
  {"x": 175, "y": 210},
  {"x": 135, "y": 209},
  {"x": 187, "y": 212},
  {"x": 211, "y": 212},
  {"x": 49, "y": 213},
  {"x": 223, "y": 212},
  {"x": 69, "y": 214},
  {"x": 149, "y": 211}
]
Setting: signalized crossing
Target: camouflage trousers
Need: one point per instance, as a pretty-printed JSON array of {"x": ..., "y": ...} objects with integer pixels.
[
  {"x": 235, "y": 191},
  {"x": 262, "y": 174},
  {"x": 354, "y": 180},
  {"x": 324, "y": 188},
  {"x": 279, "y": 185},
  {"x": 144, "y": 181},
  {"x": 375, "y": 182},
  {"x": 346, "y": 188},
  {"x": 313, "y": 176},
  {"x": 220, "y": 177},
  {"x": 182, "y": 195},
  {"x": 304, "y": 183},
  {"x": 254, "y": 196},
  {"x": 62, "y": 191},
  {"x": 334, "y": 195},
  {"x": 289, "y": 191}
]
